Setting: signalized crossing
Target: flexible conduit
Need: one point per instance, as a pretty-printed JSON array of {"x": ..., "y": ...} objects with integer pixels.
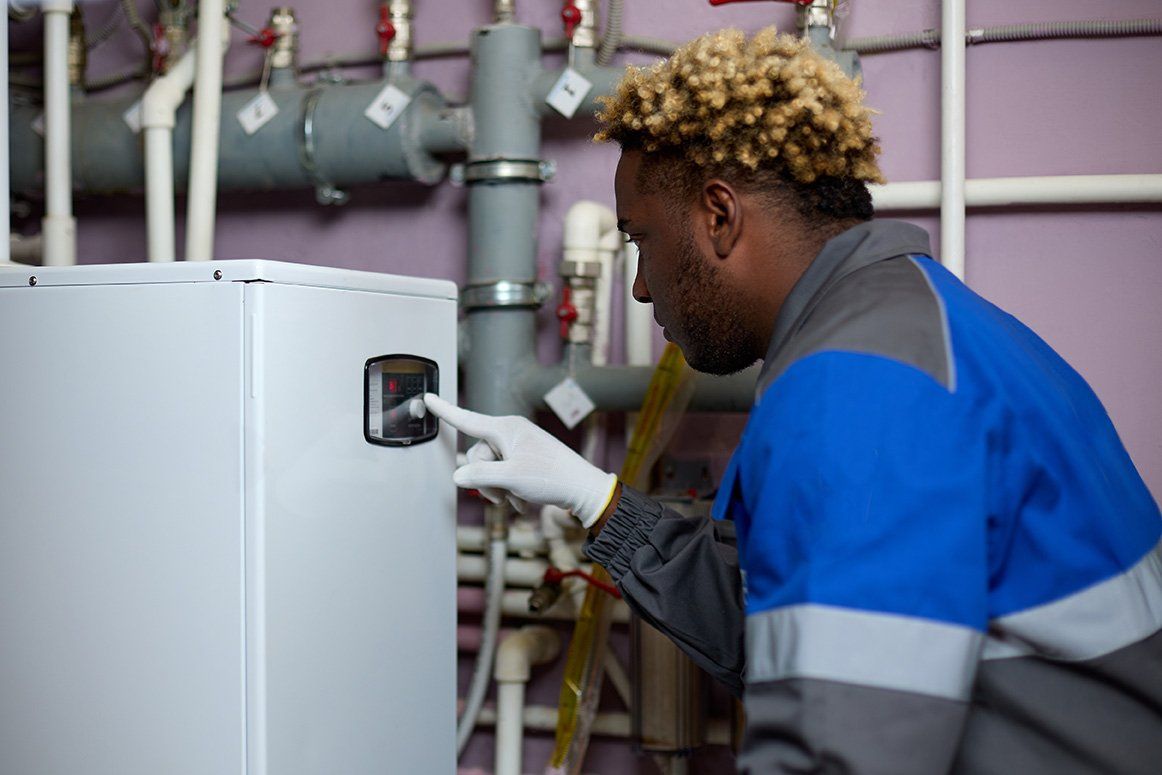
[
  {"x": 611, "y": 37},
  {"x": 1009, "y": 33},
  {"x": 482, "y": 674}
]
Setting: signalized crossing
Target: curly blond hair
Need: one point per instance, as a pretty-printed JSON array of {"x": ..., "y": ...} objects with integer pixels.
[{"x": 769, "y": 103}]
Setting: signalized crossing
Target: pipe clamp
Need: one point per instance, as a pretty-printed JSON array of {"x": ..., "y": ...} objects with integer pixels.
[
  {"x": 326, "y": 193},
  {"x": 505, "y": 171},
  {"x": 504, "y": 293}
]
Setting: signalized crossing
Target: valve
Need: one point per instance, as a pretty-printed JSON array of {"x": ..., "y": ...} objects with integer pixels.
[
  {"x": 160, "y": 49},
  {"x": 385, "y": 30},
  {"x": 264, "y": 38},
  {"x": 571, "y": 16},
  {"x": 566, "y": 311}
]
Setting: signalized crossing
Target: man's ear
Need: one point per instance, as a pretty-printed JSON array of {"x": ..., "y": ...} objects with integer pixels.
[{"x": 722, "y": 213}]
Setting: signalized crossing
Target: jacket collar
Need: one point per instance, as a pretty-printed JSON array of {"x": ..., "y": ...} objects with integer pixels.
[{"x": 861, "y": 245}]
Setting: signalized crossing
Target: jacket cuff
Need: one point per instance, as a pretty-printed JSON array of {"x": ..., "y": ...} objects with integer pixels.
[{"x": 627, "y": 529}]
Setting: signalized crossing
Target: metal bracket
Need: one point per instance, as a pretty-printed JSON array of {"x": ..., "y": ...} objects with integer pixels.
[
  {"x": 504, "y": 171},
  {"x": 504, "y": 293},
  {"x": 326, "y": 193}
]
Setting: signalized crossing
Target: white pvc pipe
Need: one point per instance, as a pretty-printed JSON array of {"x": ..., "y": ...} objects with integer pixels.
[
  {"x": 521, "y": 540},
  {"x": 528, "y": 646},
  {"x": 159, "y": 106},
  {"x": 517, "y": 572},
  {"x": 59, "y": 226},
  {"x": 212, "y": 43},
  {"x": 1049, "y": 190},
  {"x": 482, "y": 673},
  {"x": 591, "y": 235},
  {"x": 952, "y": 123},
  {"x": 639, "y": 318}
]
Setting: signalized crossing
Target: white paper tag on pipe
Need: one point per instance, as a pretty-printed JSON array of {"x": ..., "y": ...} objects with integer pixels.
[
  {"x": 255, "y": 113},
  {"x": 132, "y": 117},
  {"x": 570, "y": 402},
  {"x": 568, "y": 92},
  {"x": 387, "y": 106},
  {"x": 38, "y": 124}
]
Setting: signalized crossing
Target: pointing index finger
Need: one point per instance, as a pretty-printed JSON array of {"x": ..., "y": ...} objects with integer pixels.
[{"x": 479, "y": 425}]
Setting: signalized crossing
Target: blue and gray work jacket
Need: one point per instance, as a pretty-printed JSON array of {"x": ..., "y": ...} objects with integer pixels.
[{"x": 945, "y": 559}]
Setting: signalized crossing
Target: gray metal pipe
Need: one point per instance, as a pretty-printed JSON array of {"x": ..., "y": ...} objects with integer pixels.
[
  {"x": 349, "y": 148},
  {"x": 503, "y": 212},
  {"x": 621, "y": 388},
  {"x": 604, "y": 80}
]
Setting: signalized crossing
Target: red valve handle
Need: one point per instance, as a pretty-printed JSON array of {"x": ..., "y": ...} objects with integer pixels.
[
  {"x": 385, "y": 30},
  {"x": 554, "y": 575},
  {"x": 265, "y": 38},
  {"x": 160, "y": 48},
  {"x": 566, "y": 311},
  {"x": 571, "y": 16},
  {"x": 724, "y": 2}
]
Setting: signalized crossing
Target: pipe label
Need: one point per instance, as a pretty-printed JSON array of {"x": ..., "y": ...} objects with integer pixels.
[
  {"x": 257, "y": 112},
  {"x": 568, "y": 92},
  {"x": 387, "y": 106},
  {"x": 569, "y": 402}
]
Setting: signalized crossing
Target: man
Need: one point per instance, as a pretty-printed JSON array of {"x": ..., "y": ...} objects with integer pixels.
[{"x": 948, "y": 561}]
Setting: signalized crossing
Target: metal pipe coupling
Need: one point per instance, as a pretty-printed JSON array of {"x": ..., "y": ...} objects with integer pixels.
[{"x": 504, "y": 293}]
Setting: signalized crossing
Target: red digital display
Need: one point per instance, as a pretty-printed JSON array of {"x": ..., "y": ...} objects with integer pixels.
[{"x": 393, "y": 386}]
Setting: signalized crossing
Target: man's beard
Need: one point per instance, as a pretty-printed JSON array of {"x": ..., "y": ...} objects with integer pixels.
[{"x": 714, "y": 337}]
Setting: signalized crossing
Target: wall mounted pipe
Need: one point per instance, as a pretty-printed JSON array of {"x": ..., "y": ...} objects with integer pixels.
[
  {"x": 952, "y": 137},
  {"x": 1049, "y": 190},
  {"x": 639, "y": 318},
  {"x": 528, "y": 646},
  {"x": 59, "y": 227},
  {"x": 502, "y": 216},
  {"x": 517, "y": 572},
  {"x": 201, "y": 203},
  {"x": 621, "y": 388},
  {"x": 604, "y": 80},
  {"x": 348, "y": 148},
  {"x": 159, "y": 106}
]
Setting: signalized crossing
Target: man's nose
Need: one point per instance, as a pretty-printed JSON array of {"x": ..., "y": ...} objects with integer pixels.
[{"x": 640, "y": 291}]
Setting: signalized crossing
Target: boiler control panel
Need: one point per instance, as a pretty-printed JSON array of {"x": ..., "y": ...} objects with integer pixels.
[{"x": 394, "y": 414}]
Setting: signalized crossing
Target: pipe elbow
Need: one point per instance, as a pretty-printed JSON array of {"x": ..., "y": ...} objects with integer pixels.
[
  {"x": 164, "y": 96},
  {"x": 586, "y": 224},
  {"x": 530, "y": 645}
]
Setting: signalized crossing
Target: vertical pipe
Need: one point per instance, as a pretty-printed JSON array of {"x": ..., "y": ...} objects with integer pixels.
[
  {"x": 502, "y": 215},
  {"x": 159, "y": 202},
  {"x": 212, "y": 35},
  {"x": 5, "y": 217},
  {"x": 952, "y": 158},
  {"x": 59, "y": 226}
]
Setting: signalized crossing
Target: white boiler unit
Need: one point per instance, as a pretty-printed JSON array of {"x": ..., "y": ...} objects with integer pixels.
[{"x": 227, "y": 530}]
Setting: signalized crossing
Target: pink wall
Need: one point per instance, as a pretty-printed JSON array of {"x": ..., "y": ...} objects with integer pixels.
[{"x": 1088, "y": 279}]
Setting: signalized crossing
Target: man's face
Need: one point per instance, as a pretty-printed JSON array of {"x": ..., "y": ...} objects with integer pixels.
[{"x": 687, "y": 286}]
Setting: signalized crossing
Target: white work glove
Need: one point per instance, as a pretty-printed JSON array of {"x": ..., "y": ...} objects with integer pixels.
[{"x": 516, "y": 459}]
